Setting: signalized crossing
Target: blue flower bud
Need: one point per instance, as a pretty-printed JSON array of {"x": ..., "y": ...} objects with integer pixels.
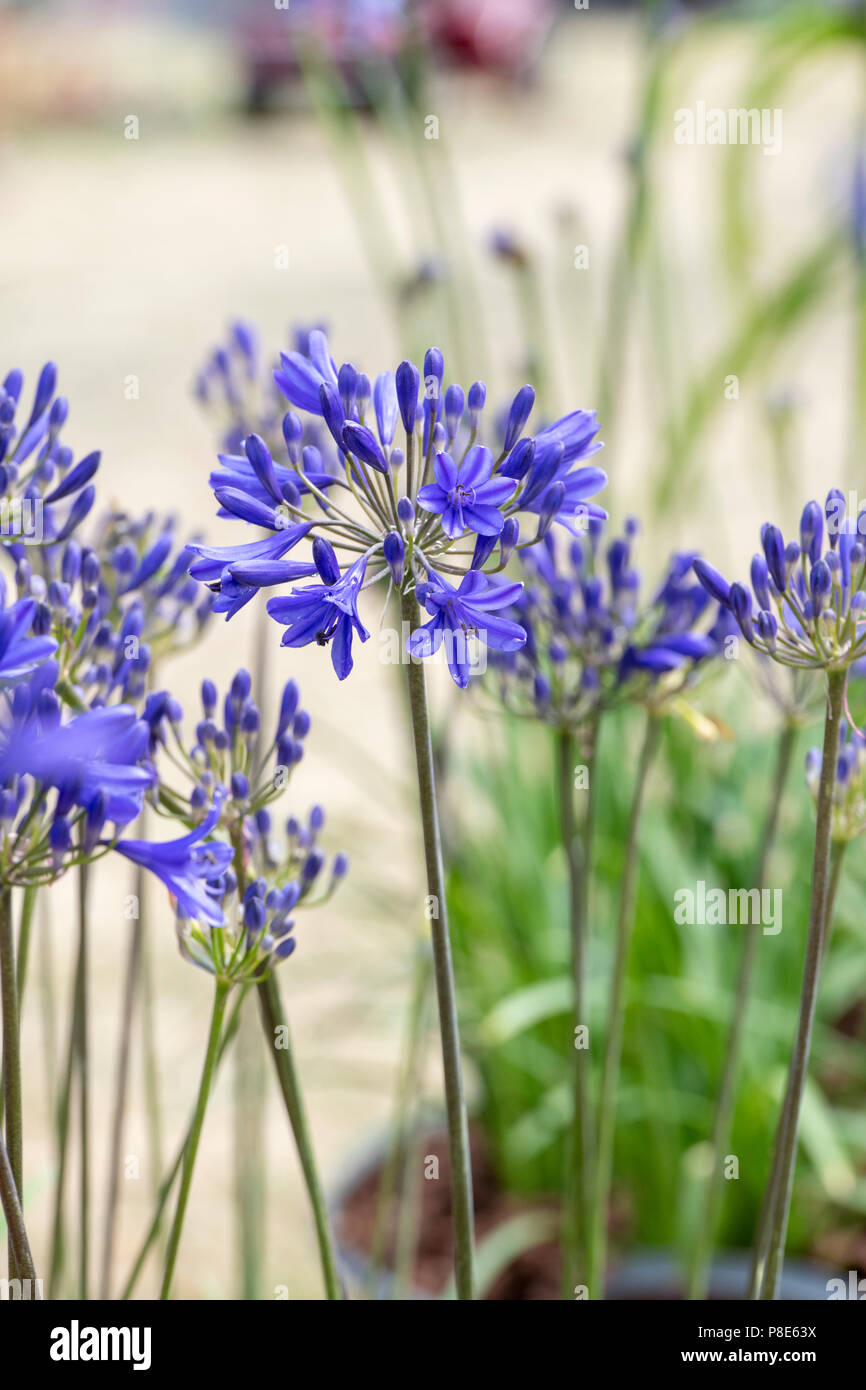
[
  {"x": 361, "y": 442},
  {"x": 395, "y": 554},
  {"x": 767, "y": 628},
  {"x": 406, "y": 511},
  {"x": 240, "y": 786},
  {"x": 301, "y": 726},
  {"x": 454, "y": 405},
  {"x": 476, "y": 401},
  {"x": 407, "y": 381},
  {"x": 812, "y": 531},
  {"x": 208, "y": 697},
  {"x": 262, "y": 464},
  {"x": 820, "y": 584},
  {"x": 741, "y": 606},
  {"x": 835, "y": 511},
  {"x": 340, "y": 866},
  {"x": 774, "y": 551},
  {"x": 519, "y": 413},
  {"x": 484, "y": 548},
  {"x": 325, "y": 560},
  {"x": 293, "y": 433},
  {"x": 520, "y": 460},
  {"x": 760, "y": 579},
  {"x": 288, "y": 706}
]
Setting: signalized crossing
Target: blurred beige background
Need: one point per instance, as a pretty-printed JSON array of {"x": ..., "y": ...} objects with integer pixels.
[{"x": 122, "y": 257}]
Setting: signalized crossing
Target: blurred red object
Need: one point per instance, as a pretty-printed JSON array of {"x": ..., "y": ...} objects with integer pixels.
[{"x": 504, "y": 35}]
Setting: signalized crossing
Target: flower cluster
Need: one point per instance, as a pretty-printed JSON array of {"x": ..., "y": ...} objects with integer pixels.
[
  {"x": 112, "y": 606},
  {"x": 807, "y": 603},
  {"x": 849, "y": 785},
  {"x": 590, "y": 639},
  {"x": 441, "y": 502},
  {"x": 44, "y": 493},
  {"x": 230, "y": 781},
  {"x": 62, "y": 781}
]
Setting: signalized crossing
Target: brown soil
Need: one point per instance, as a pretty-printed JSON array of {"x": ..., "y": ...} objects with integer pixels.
[{"x": 533, "y": 1275}]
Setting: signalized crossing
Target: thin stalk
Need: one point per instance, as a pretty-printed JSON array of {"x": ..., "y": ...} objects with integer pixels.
[
  {"x": 82, "y": 1051},
  {"x": 168, "y": 1181},
  {"x": 20, "y": 1257},
  {"x": 279, "y": 1043},
  {"x": 64, "y": 1105},
  {"x": 580, "y": 1141},
  {"x": 781, "y": 1180},
  {"x": 455, "y": 1104},
  {"x": 11, "y": 1058},
  {"x": 407, "y": 1088},
  {"x": 699, "y": 1276},
  {"x": 248, "y": 1103},
  {"x": 24, "y": 934},
  {"x": 133, "y": 962},
  {"x": 148, "y": 1032},
  {"x": 221, "y": 994},
  {"x": 47, "y": 999},
  {"x": 597, "y": 1248}
]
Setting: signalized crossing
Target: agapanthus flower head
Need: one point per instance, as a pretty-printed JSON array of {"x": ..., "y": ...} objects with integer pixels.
[
  {"x": 407, "y": 488},
  {"x": 44, "y": 493},
  {"x": 805, "y": 606},
  {"x": 593, "y": 641},
  {"x": 113, "y": 606},
  {"x": 849, "y": 784},
  {"x": 235, "y": 772},
  {"x": 64, "y": 782}
]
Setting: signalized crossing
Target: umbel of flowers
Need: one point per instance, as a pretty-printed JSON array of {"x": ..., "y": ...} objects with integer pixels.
[
  {"x": 806, "y": 607},
  {"x": 407, "y": 486}
]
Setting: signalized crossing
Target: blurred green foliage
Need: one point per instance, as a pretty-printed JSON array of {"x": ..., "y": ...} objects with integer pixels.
[{"x": 509, "y": 921}]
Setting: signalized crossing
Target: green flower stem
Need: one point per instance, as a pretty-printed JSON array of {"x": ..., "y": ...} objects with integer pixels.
[
  {"x": 781, "y": 1181},
  {"x": 455, "y": 1104},
  {"x": 597, "y": 1245},
  {"x": 408, "y": 1081},
  {"x": 167, "y": 1183},
  {"x": 24, "y": 934},
  {"x": 221, "y": 994},
  {"x": 130, "y": 989},
  {"x": 64, "y": 1103},
  {"x": 20, "y": 1258},
  {"x": 273, "y": 1020},
  {"x": 580, "y": 1140},
  {"x": 699, "y": 1274},
  {"x": 11, "y": 1058}
]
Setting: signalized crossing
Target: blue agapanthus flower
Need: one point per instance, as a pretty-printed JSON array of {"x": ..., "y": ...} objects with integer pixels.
[
  {"x": 234, "y": 773},
  {"x": 114, "y": 605},
  {"x": 593, "y": 640},
  {"x": 806, "y": 606},
  {"x": 20, "y": 651},
  {"x": 192, "y": 868},
  {"x": 44, "y": 493},
  {"x": 459, "y": 615},
  {"x": 400, "y": 476}
]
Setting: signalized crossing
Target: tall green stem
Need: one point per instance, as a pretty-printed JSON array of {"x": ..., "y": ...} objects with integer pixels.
[
  {"x": 279, "y": 1042},
  {"x": 407, "y": 1089},
  {"x": 597, "y": 1249},
  {"x": 781, "y": 1181},
  {"x": 221, "y": 994},
  {"x": 703, "y": 1249},
  {"x": 120, "y": 1088},
  {"x": 168, "y": 1181},
  {"x": 455, "y": 1104},
  {"x": 20, "y": 1257},
  {"x": 11, "y": 1057},
  {"x": 580, "y": 1140}
]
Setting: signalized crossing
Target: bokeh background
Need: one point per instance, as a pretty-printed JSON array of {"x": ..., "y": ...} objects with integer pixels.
[{"x": 552, "y": 227}]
